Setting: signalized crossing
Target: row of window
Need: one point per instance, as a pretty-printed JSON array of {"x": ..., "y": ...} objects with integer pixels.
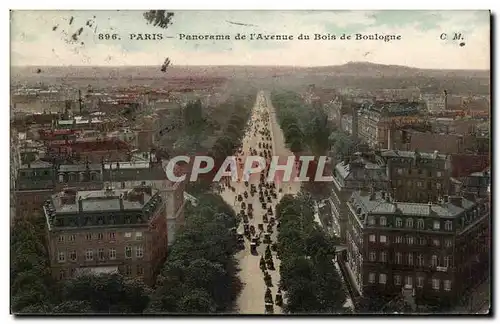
[
  {"x": 435, "y": 260},
  {"x": 382, "y": 279},
  {"x": 99, "y": 236},
  {"x": 420, "y": 184},
  {"x": 436, "y": 225},
  {"x": 139, "y": 271},
  {"x": 410, "y": 240},
  {"x": 400, "y": 171},
  {"x": 89, "y": 254}
]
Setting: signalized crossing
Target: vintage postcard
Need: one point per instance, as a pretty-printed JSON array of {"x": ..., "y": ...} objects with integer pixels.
[{"x": 250, "y": 162}]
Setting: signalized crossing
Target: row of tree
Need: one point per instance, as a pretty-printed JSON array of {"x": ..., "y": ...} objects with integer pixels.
[
  {"x": 200, "y": 274},
  {"x": 308, "y": 275}
]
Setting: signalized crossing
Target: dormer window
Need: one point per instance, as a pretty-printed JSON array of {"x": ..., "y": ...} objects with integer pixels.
[
  {"x": 409, "y": 222},
  {"x": 383, "y": 221},
  {"x": 371, "y": 219},
  {"x": 358, "y": 210},
  {"x": 399, "y": 222},
  {"x": 448, "y": 225}
]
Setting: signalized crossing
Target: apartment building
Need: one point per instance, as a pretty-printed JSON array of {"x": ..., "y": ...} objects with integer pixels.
[
  {"x": 111, "y": 230},
  {"x": 437, "y": 250}
]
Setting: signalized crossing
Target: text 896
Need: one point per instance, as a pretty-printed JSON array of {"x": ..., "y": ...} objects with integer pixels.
[{"x": 108, "y": 37}]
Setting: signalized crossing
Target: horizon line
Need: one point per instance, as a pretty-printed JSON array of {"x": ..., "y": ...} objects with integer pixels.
[{"x": 239, "y": 65}]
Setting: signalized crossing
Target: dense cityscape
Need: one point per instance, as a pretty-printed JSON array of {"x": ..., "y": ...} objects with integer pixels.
[
  {"x": 97, "y": 226},
  {"x": 121, "y": 200}
]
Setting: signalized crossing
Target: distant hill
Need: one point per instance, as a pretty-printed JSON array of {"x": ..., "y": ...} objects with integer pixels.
[{"x": 373, "y": 69}]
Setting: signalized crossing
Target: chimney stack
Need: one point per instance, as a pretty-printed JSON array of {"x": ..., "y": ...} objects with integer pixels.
[
  {"x": 456, "y": 200},
  {"x": 121, "y": 201},
  {"x": 80, "y": 204}
]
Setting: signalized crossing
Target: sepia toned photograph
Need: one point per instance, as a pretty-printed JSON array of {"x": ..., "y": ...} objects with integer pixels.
[{"x": 231, "y": 162}]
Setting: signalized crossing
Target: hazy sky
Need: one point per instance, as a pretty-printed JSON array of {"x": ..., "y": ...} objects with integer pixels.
[{"x": 33, "y": 41}]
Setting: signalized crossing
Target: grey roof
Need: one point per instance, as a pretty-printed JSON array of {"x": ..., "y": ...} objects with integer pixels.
[
  {"x": 411, "y": 154},
  {"x": 133, "y": 171},
  {"x": 370, "y": 170},
  {"x": 38, "y": 164},
  {"x": 99, "y": 200},
  {"x": 378, "y": 205},
  {"x": 79, "y": 167}
]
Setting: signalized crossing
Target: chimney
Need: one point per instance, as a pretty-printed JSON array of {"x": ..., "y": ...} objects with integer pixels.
[
  {"x": 372, "y": 193},
  {"x": 121, "y": 201},
  {"x": 472, "y": 196},
  {"x": 80, "y": 204},
  {"x": 389, "y": 138},
  {"x": 456, "y": 200}
]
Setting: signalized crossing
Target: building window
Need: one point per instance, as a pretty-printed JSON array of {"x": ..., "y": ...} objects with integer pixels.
[
  {"x": 410, "y": 258},
  {"x": 397, "y": 280},
  {"x": 61, "y": 257},
  {"x": 399, "y": 257},
  {"x": 139, "y": 252},
  {"x": 89, "y": 255},
  {"x": 435, "y": 284},
  {"x": 72, "y": 255},
  {"x": 448, "y": 243},
  {"x": 438, "y": 185},
  {"x": 409, "y": 222},
  {"x": 60, "y": 239},
  {"x": 383, "y": 239},
  {"x": 383, "y": 221},
  {"x": 128, "y": 270},
  {"x": 383, "y": 256},
  {"x": 399, "y": 239},
  {"x": 447, "y": 261},
  {"x": 373, "y": 256},
  {"x": 447, "y": 285},
  {"x": 140, "y": 270},
  {"x": 420, "y": 184},
  {"x": 420, "y": 260},
  {"x": 100, "y": 253},
  {"x": 439, "y": 174},
  {"x": 436, "y": 242},
  {"x": 408, "y": 282},
  {"x": 371, "y": 277},
  {"x": 71, "y": 238},
  {"x": 382, "y": 278},
  {"x": 371, "y": 238},
  {"x": 400, "y": 171},
  {"x": 420, "y": 223},
  {"x": 420, "y": 282},
  {"x": 88, "y": 237},
  {"x": 100, "y": 236},
  {"x": 112, "y": 236},
  {"x": 399, "y": 222},
  {"x": 371, "y": 220},
  {"x": 436, "y": 225},
  {"x": 434, "y": 260},
  {"x": 62, "y": 274},
  {"x": 128, "y": 252},
  {"x": 410, "y": 240},
  {"x": 448, "y": 225},
  {"x": 138, "y": 235},
  {"x": 421, "y": 240},
  {"x": 128, "y": 235},
  {"x": 112, "y": 254}
]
